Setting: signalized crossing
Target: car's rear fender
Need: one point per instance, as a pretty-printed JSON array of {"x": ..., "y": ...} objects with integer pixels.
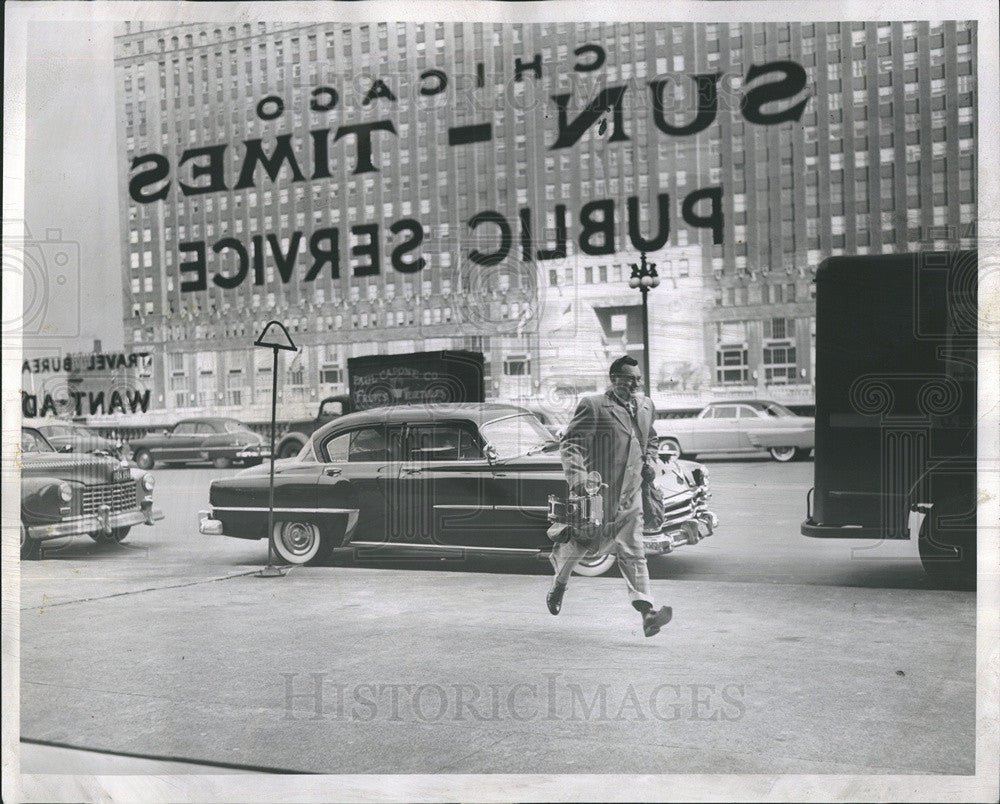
[
  {"x": 768, "y": 438},
  {"x": 337, "y": 524}
]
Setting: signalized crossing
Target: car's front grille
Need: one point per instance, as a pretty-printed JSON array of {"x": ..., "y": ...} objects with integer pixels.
[{"x": 117, "y": 496}]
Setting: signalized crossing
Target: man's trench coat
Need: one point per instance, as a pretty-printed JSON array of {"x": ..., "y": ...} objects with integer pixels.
[{"x": 602, "y": 438}]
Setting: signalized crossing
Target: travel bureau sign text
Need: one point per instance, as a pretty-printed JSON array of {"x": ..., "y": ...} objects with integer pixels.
[{"x": 768, "y": 98}]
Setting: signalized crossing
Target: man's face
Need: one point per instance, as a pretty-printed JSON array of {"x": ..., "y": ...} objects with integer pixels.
[{"x": 627, "y": 381}]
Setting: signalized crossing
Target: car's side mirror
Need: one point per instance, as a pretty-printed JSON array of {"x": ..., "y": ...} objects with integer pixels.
[{"x": 491, "y": 454}]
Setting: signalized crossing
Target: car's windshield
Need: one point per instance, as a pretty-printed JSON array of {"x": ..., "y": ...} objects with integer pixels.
[
  {"x": 34, "y": 442},
  {"x": 516, "y": 435},
  {"x": 774, "y": 409}
]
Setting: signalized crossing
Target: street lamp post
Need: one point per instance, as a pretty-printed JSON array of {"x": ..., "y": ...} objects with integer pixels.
[{"x": 644, "y": 278}]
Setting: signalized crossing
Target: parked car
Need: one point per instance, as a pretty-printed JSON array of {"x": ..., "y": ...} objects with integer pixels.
[
  {"x": 67, "y": 495},
  {"x": 469, "y": 476},
  {"x": 67, "y": 436},
  {"x": 554, "y": 422},
  {"x": 216, "y": 439},
  {"x": 746, "y": 425},
  {"x": 297, "y": 432}
]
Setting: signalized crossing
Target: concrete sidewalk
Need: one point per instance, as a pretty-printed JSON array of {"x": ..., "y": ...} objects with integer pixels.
[{"x": 346, "y": 670}]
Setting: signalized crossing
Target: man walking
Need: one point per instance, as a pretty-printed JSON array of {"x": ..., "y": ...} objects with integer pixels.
[{"x": 612, "y": 433}]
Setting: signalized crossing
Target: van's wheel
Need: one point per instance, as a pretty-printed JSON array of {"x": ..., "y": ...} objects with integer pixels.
[
  {"x": 300, "y": 543},
  {"x": 143, "y": 459},
  {"x": 31, "y": 549},
  {"x": 592, "y": 566},
  {"x": 222, "y": 463},
  {"x": 117, "y": 535},
  {"x": 783, "y": 454}
]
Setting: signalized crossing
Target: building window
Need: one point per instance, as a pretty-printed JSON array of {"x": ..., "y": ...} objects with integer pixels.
[
  {"x": 517, "y": 366},
  {"x": 731, "y": 364},
  {"x": 331, "y": 375},
  {"x": 779, "y": 328},
  {"x": 779, "y": 362}
]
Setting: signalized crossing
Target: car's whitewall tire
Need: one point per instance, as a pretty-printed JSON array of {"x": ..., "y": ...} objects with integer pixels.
[
  {"x": 298, "y": 542},
  {"x": 592, "y": 566}
]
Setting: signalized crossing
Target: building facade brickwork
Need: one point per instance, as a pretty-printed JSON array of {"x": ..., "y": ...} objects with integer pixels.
[{"x": 243, "y": 150}]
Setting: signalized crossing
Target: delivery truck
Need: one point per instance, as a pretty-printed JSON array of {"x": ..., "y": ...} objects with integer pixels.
[
  {"x": 377, "y": 380},
  {"x": 896, "y": 385}
]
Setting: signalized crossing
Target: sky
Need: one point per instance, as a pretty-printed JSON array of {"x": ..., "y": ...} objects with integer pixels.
[{"x": 71, "y": 191}]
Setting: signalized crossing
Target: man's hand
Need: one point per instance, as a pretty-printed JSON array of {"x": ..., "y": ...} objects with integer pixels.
[{"x": 648, "y": 473}]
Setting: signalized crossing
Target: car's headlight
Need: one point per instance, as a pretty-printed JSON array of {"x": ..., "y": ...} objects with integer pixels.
[
  {"x": 148, "y": 482},
  {"x": 65, "y": 491}
]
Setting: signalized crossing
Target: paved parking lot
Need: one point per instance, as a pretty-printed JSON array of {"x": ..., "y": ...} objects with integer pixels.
[{"x": 785, "y": 655}]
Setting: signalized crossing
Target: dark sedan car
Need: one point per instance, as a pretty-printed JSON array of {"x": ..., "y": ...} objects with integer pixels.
[
  {"x": 68, "y": 495},
  {"x": 219, "y": 440},
  {"x": 68, "y": 436},
  {"x": 448, "y": 477}
]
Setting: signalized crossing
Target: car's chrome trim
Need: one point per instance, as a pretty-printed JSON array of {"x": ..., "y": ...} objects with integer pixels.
[
  {"x": 544, "y": 508},
  {"x": 77, "y": 526},
  {"x": 466, "y": 547},
  {"x": 285, "y": 510}
]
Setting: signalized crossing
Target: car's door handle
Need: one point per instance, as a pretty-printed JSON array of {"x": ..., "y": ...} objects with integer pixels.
[
  {"x": 331, "y": 471},
  {"x": 412, "y": 471}
]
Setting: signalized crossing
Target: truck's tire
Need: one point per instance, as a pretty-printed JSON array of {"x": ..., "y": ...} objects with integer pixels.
[{"x": 143, "y": 459}]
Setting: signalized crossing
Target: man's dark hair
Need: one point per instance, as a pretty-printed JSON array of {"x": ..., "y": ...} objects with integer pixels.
[{"x": 624, "y": 360}]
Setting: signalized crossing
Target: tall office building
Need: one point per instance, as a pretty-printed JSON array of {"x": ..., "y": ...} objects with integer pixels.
[{"x": 403, "y": 187}]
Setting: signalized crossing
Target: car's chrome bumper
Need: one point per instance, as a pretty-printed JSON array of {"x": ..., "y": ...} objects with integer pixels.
[
  {"x": 209, "y": 526},
  {"x": 101, "y": 522},
  {"x": 674, "y": 535},
  {"x": 254, "y": 452}
]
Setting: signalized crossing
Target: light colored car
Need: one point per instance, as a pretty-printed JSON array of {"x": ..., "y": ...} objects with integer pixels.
[{"x": 747, "y": 425}]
